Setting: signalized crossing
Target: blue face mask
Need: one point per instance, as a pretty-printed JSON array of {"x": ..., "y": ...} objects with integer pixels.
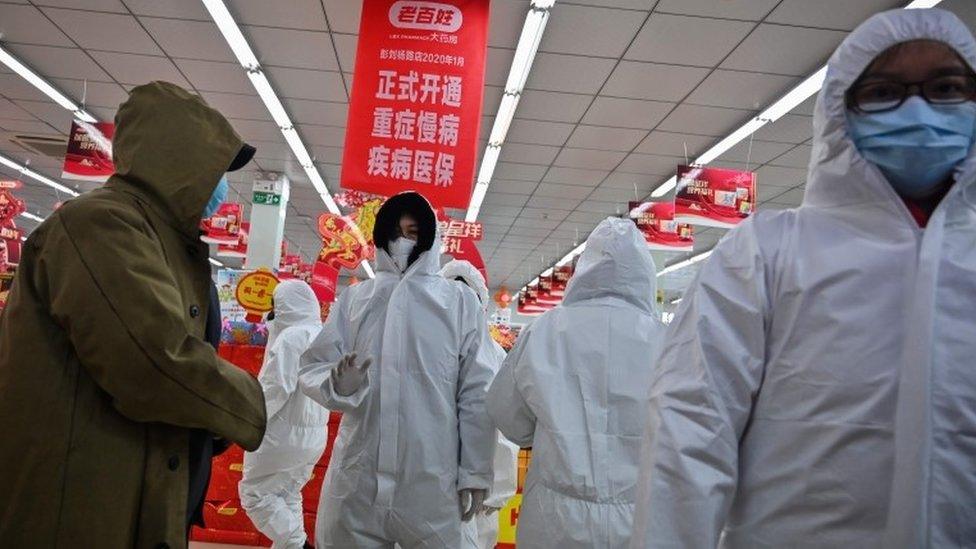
[
  {"x": 217, "y": 198},
  {"x": 917, "y": 145}
]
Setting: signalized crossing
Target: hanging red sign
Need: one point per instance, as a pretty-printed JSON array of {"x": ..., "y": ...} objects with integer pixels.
[
  {"x": 11, "y": 184},
  {"x": 240, "y": 248},
  {"x": 660, "y": 229},
  {"x": 714, "y": 197},
  {"x": 89, "y": 154},
  {"x": 224, "y": 226},
  {"x": 415, "y": 110},
  {"x": 343, "y": 245}
]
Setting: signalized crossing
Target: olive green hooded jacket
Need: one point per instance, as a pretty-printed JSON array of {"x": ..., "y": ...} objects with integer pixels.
[{"x": 103, "y": 364}]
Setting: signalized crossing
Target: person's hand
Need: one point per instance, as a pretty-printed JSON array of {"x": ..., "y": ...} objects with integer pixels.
[
  {"x": 471, "y": 501},
  {"x": 489, "y": 511},
  {"x": 347, "y": 378}
]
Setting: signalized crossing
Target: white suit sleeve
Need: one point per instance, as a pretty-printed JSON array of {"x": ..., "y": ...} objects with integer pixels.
[
  {"x": 506, "y": 473},
  {"x": 332, "y": 343},
  {"x": 505, "y": 403},
  {"x": 708, "y": 376},
  {"x": 474, "y": 427},
  {"x": 279, "y": 375}
]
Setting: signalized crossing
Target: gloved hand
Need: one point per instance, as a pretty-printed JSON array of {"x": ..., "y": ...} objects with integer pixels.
[
  {"x": 348, "y": 377},
  {"x": 489, "y": 511},
  {"x": 472, "y": 502}
]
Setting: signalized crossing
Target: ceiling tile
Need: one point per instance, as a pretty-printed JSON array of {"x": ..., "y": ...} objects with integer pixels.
[
  {"x": 512, "y": 186},
  {"x": 664, "y": 39},
  {"x": 701, "y": 120},
  {"x": 556, "y": 190},
  {"x": 553, "y": 106},
  {"x": 139, "y": 69},
  {"x": 529, "y": 154},
  {"x": 597, "y": 207},
  {"x": 585, "y": 30},
  {"x": 25, "y": 24},
  {"x": 89, "y": 5},
  {"x": 104, "y": 31},
  {"x": 784, "y": 50},
  {"x": 299, "y": 14},
  {"x": 27, "y": 126},
  {"x": 59, "y": 62},
  {"x": 330, "y": 136},
  {"x": 497, "y": 63},
  {"x": 653, "y": 81},
  {"x": 542, "y": 133},
  {"x": 780, "y": 176},
  {"x": 490, "y": 99},
  {"x": 589, "y": 158},
  {"x": 610, "y": 194},
  {"x": 605, "y": 138},
  {"x": 215, "y": 76},
  {"x": 345, "y": 47},
  {"x": 237, "y": 106},
  {"x": 799, "y": 157},
  {"x": 568, "y": 73},
  {"x": 791, "y": 128},
  {"x": 575, "y": 176},
  {"x": 307, "y": 84},
  {"x": 832, "y": 14},
  {"x": 12, "y": 86},
  {"x": 684, "y": 146},
  {"x": 343, "y": 15},
  {"x": 49, "y": 112},
  {"x": 293, "y": 48},
  {"x": 257, "y": 130},
  {"x": 189, "y": 39},
  {"x": 748, "y": 10},
  {"x": 519, "y": 172},
  {"x": 626, "y": 113},
  {"x": 648, "y": 164},
  {"x": 98, "y": 94},
  {"x": 743, "y": 90},
  {"x": 506, "y": 19},
  {"x": 180, "y": 9},
  {"x": 643, "y": 5},
  {"x": 623, "y": 180},
  {"x": 754, "y": 152},
  {"x": 502, "y": 199},
  {"x": 324, "y": 113}
]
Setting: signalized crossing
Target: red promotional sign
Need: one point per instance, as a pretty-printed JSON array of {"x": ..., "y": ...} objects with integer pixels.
[
  {"x": 661, "y": 231},
  {"x": 415, "y": 110},
  {"x": 224, "y": 226},
  {"x": 240, "y": 248},
  {"x": 323, "y": 281},
  {"x": 715, "y": 197},
  {"x": 11, "y": 184},
  {"x": 89, "y": 154},
  {"x": 343, "y": 245}
]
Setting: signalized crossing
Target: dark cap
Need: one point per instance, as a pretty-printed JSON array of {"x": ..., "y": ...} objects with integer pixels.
[{"x": 243, "y": 157}]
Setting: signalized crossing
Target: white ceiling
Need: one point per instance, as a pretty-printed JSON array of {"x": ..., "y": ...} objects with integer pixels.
[{"x": 618, "y": 91}]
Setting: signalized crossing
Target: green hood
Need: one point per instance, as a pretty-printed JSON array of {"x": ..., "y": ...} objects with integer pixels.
[{"x": 172, "y": 147}]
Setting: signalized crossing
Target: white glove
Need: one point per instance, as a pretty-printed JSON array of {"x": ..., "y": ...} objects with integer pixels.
[
  {"x": 347, "y": 377},
  {"x": 471, "y": 501}
]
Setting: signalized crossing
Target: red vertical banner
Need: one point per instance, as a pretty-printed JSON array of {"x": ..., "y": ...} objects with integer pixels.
[{"x": 415, "y": 111}]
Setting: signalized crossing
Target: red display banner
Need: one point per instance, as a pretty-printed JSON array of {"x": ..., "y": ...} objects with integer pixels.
[
  {"x": 343, "y": 244},
  {"x": 239, "y": 249},
  {"x": 415, "y": 110},
  {"x": 89, "y": 154},
  {"x": 323, "y": 281},
  {"x": 223, "y": 227},
  {"x": 715, "y": 197},
  {"x": 660, "y": 229},
  {"x": 11, "y": 184}
]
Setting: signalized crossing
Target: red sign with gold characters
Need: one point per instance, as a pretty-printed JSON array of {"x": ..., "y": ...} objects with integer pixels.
[
  {"x": 89, "y": 154},
  {"x": 255, "y": 292},
  {"x": 661, "y": 231},
  {"x": 714, "y": 197},
  {"x": 415, "y": 111},
  {"x": 343, "y": 244}
]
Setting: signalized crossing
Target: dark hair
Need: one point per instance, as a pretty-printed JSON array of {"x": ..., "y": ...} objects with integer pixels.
[{"x": 388, "y": 220}]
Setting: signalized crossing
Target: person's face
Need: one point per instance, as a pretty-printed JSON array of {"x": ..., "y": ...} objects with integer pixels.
[
  {"x": 407, "y": 227},
  {"x": 911, "y": 62}
]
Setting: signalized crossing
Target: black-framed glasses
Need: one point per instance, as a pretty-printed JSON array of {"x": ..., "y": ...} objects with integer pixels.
[{"x": 888, "y": 95}]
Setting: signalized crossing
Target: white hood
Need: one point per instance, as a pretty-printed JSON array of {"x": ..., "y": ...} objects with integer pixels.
[
  {"x": 835, "y": 161},
  {"x": 295, "y": 304},
  {"x": 472, "y": 277},
  {"x": 615, "y": 263}
]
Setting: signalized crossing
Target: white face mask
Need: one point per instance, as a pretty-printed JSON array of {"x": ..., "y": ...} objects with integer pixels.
[{"x": 400, "y": 249}]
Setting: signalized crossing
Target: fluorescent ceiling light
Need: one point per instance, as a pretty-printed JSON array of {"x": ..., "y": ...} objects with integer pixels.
[
  {"x": 32, "y": 217},
  {"x": 518, "y": 74},
  {"x": 36, "y": 176},
  {"x": 685, "y": 263},
  {"x": 43, "y": 85},
  {"x": 245, "y": 56},
  {"x": 918, "y": 4}
]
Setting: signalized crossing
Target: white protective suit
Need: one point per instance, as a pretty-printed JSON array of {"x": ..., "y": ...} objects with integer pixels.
[
  {"x": 274, "y": 475},
  {"x": 416, "y": 431},
  {"x": 575, "y": 388},
  {"x": 482, "y": 531},
  {"x": 773, "y": 414}
]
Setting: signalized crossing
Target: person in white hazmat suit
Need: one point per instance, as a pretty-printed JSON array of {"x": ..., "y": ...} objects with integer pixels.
[
  {"x": 275, "y": 473},
  {"x": 406, "y": 357},
  {"x": 818, "y": 386},
  {"x": 575, "y": 389},
  {"x": 482, "y": 531}
]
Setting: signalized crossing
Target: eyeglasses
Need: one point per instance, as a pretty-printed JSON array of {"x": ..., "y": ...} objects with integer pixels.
[{"x": 881, "y": 96}]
